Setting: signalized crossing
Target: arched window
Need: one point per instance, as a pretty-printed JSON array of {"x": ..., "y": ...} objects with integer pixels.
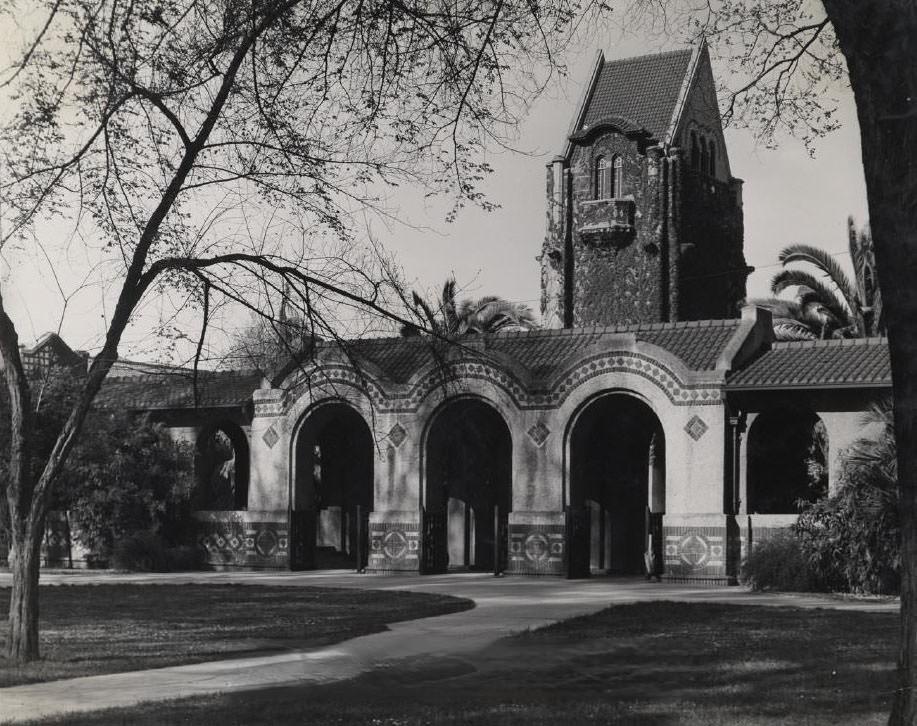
[
  {"x": 617, "y": 187},
  {"x": 695, "y": 152},
  {"x": 711, "y": 170},
  {"x": 602, "y": 178},
  {"x": 704, "y": 156},
  {"x": 222, "y": 467}
]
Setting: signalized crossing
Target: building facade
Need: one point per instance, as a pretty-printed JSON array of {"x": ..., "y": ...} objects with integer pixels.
[{"x": 653, "y": 424}]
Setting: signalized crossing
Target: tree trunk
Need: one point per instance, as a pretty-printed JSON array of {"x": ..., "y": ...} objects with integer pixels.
[
  {"x": 24, "y": 558},
  {"x": 877, "y": 39}
]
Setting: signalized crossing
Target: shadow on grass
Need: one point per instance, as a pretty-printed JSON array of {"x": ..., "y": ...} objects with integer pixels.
[
  {"x": 92, "y": 629},
  {"x": 651, "y": 664}
]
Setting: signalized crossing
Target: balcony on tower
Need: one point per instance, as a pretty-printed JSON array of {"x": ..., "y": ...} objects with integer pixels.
[{"x": 607, "y": 221}]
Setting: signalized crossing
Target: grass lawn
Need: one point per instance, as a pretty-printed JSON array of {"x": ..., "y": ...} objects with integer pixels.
[
  {"x": 90, "y": 629},
  {"x": 652, "y": 663}
]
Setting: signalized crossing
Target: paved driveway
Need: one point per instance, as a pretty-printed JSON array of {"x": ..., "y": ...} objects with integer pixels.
[{"x": 502, "y": 606}]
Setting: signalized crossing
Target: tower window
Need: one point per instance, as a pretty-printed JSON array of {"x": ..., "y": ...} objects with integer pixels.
[
  {"x": 603, "y": 188},
  {"x": 704, "y": 156},
  {"x": 711, "y": 170},
  {"x": 695, "y": 152},
  {"x": 617, "y": 188}
]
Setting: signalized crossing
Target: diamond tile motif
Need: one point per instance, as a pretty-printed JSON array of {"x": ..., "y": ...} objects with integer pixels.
[
  {"x": 696, "y": 427},
  {"x": 397, "y": 434},
  {"x": 539, "y": 433},
  {"x": 271, "y": 437}
]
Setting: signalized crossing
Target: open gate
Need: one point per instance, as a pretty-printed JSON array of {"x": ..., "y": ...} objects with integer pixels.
[
  {"x": 359, "y": 537},
  {"x": 434, "y": 545},
  {"x": 302, "y": 539},
  {"x": 654, "y": 560},
  {"x": 501, "y": 540},
  {"x": 578, "y": 541}
]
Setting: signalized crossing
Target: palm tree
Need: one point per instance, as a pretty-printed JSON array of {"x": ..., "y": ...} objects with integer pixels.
[
  {"x": 793, "y": 320},
  {"x": 450, "y": 318},
  {"x": 845, "y": 308}
]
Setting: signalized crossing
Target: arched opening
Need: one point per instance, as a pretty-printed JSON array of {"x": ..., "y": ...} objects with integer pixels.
[
  {"x": 332, "y": 489},
  {"x": 695, "y": 151},
  {"x": 711, "y": 169},
  {"x": 602, "y": 178},
  {"x": 617, "y": 182},
  {"x": 468, "y": 491},
  {"x": 787, "y": 461},
  {"x": 222, "y": 468},
  {"x": 617, "y": 488},
  {"x": 704, "y": 155}
]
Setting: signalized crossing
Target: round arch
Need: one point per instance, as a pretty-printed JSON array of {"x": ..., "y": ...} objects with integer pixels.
[
  {"x": 615, "y": 469},
  {"x": 331, "y": 486},
  {"x": 222, "y": 466},
  {"x": 466, "y": 465}
]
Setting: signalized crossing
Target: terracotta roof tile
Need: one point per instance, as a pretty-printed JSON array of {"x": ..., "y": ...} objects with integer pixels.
[
  {"x": 175, "y": 390},
  {"x": 644, "y": 90},
  {"x": 817, "y": 364},
  {"x": 545, "y": 352}
]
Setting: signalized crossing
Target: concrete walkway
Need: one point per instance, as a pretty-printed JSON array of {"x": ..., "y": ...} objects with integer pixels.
[{"x": 503, "y": 606}]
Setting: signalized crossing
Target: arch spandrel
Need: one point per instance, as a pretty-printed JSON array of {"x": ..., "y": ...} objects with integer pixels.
[
  {"x": 481, "y": 389},
  {"x": 655, "y": 365},
  {"x": 329, "y": 382}
]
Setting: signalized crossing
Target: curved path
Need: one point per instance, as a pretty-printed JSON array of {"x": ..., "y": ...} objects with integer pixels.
[{"x": 502, "y": 606}]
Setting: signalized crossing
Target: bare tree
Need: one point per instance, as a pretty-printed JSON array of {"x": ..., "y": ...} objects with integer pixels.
[
  {"x": 788, "y": 57},
  {"x": 156, "y": 125}
]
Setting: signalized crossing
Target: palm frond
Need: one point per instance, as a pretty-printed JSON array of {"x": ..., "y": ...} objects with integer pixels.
[
  {"x": 821, "y": 293},
  {"x": 448, "y": 306},
  {"x": 788, "y": 330},
  {"x": 824, "y": 262}
]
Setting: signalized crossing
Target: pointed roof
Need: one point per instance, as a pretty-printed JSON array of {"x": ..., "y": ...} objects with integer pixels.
[{"x": 645, "y": 91}]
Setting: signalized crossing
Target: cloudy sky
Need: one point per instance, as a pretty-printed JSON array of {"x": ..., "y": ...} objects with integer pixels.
[{"x": 789, "y": 197}]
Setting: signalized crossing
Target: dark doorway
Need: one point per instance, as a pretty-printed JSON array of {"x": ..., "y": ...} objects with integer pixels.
[
  {"x": 468, "y": 488},
  {"x": 617, "y": 488},
  {"x": 787, "y": 461},
  {"x": 332, "y": 490}
]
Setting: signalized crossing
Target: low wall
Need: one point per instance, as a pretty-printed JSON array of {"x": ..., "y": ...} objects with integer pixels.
[{"x": 244, "y": 539}]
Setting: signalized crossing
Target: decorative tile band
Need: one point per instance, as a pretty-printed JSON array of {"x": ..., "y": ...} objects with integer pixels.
[
  {"x": 394, "y": 546},
  {"x": 244, "y": 544},
  {"x": 695, "y": 552},
  {"x": 536, "y": 549},
  {"x": 678, "y": 392}
]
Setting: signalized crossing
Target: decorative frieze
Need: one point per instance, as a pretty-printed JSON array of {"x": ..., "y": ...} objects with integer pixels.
[{"x": 676, "y": 390}]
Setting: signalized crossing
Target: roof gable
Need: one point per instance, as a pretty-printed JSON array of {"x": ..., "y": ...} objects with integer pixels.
[{"x": 644, "y": 90}]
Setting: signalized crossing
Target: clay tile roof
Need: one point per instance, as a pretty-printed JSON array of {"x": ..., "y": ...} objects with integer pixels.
[
  {"x": 546, "y": 352},
  {"x": 817, "y": 364},
  {"x": 644, "y": 90},
  {"x": 175, "y": 390}
]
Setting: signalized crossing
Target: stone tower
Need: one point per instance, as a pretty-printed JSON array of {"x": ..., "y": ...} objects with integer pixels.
[{"x": 644, "y": 220}]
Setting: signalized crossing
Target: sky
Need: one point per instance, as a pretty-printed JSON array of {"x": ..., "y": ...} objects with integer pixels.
[{"x": 789, "y": 197}]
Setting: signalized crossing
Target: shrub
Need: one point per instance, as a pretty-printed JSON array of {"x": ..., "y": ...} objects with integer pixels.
[
  {"x": 182, "y": 558},
  {"x": 147, "y": 552},
  {"x": 853, "y": 537},
  {"x": 140, "y": 552},
  {"x": 779, "y": 563}
]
